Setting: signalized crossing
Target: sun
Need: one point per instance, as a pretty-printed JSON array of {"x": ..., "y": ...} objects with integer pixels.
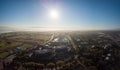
[{"x": 54, "y": 14}]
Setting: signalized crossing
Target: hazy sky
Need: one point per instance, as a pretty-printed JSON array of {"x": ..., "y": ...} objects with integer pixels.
[{"x": 79, "y": 14}]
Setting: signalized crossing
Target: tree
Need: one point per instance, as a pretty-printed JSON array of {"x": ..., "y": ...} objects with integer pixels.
[
  {"x": 51, "y": 65},
  {"x": 59, "y": 64},
  {"x": 67, "y": 66},
  {"x": 30, "y": 66},
  {"x": 40, "y": 66}
]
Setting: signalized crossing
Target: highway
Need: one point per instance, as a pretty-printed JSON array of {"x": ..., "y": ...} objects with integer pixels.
[
  {"x": 75, "y": 47},
  {"x": 71, "y": 41},
  {"x": 52, "y": 37}
]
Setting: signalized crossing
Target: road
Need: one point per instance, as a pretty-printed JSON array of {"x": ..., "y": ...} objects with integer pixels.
[
  {"x": 9, "y": 58},
  {"x": 71, "y": 41},
  {"x": 52, "y": 37},
  {"x": 75, "y": 47}
]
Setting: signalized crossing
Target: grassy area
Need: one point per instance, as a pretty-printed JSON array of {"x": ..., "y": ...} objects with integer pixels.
[
  {"x": 14, "y": 39},
  {"x": 26, "y": 46},
  {"x": 4, "y": 55},
  {"x": 5, "y": 45},
  {"x": 2, "y": 43}
]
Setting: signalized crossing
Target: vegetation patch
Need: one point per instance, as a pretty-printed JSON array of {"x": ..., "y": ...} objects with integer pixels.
[{"x": 4, "y": 55}]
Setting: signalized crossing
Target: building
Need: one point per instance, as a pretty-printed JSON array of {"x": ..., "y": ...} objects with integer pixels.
[
  {"x": 60, "y": 49},
  {"x": 43, "y": 54}
]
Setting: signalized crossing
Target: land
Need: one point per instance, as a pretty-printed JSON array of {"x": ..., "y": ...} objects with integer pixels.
[{"x": 60, "y": 50}]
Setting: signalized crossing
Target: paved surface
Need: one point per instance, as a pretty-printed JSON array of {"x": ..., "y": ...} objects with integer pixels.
[
  {"x": 75, "y": 47},
  {"x": 71, "y": 41},
  {"x": 52, "y": 37},
  {"x": 9, "y": 58}
]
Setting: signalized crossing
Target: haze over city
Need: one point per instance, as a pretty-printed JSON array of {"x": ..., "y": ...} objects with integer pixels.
[{"x": 59, "y": 34}]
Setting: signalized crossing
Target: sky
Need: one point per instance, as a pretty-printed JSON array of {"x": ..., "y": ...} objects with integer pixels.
[{"x": 73, "y": 14}]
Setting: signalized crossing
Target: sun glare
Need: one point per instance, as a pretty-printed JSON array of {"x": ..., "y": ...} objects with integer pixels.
[{"x": 54, "y": 14}]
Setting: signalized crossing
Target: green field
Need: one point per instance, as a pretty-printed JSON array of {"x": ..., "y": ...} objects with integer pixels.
[
  {"x": 4, "y": 55},
  {"x": 27, "y": 39}
]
